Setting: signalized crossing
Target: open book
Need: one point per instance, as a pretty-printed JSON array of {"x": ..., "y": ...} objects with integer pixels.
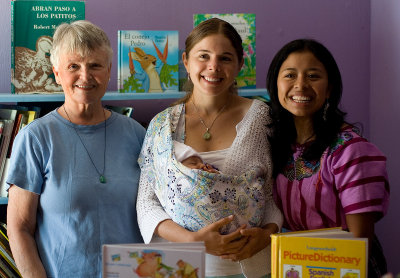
[
  {"x": 318, "y": 253},
  {"x": 154, "y": 260}
]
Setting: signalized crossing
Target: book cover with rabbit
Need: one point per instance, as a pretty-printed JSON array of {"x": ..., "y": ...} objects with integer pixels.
[{"x": 148, "y": 61}]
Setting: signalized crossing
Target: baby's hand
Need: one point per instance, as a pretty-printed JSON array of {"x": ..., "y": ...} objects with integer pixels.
[{"x": 209, "y": 168}]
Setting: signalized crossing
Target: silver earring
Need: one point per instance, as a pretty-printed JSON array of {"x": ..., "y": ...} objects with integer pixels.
[{"x": 325, "y": 111}]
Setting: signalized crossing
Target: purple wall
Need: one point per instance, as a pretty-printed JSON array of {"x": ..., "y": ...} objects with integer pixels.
[
  {"x": 344, "y": 26},
  {"x": 385, "y": 113}
]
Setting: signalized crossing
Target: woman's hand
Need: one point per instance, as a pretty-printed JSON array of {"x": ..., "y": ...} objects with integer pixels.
[
  {"x": 221, "y": 245},
  {"x": 215, "y": 243},
  {"x": 238, "y": 245},
  {"x": 257, "y": 239}
]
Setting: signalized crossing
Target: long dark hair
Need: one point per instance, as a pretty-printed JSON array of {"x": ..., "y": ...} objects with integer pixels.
[{"x": 325, "y": 127}]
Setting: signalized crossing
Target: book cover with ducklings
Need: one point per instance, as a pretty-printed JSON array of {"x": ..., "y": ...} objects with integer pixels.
[
  {"x": 322, "y": 253},
  {"x": 245, "y": 25},
  {"x": 148, "y": 61},
  {"x": 184, "y": 260},
  {"x": 32, "y": 27}
]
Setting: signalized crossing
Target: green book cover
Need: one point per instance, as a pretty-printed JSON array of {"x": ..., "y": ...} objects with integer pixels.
[
  {"x": 245, "y": 25},
  {"x": 32, "y": 27}
]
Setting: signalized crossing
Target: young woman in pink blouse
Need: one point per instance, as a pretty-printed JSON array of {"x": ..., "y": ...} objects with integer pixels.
[{"x": 327, "y": 175}]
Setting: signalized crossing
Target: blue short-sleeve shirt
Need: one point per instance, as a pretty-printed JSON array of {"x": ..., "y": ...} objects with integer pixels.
[{"x": 76, "y": 213}]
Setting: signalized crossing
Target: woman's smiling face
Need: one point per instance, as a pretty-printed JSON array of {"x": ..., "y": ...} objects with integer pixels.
[
  {"x": 303, "y": 84},
  {"x": 212, "y": 64},
  {"x": 84, "y": 79}
]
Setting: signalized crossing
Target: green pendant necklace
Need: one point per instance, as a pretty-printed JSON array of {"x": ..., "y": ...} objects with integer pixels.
[
  {"x": 207, "y": 134},
  {"x": 102, "y": 178}
]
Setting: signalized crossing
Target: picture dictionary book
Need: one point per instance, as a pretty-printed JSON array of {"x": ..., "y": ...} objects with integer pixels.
[
  {"x": 154, "y": 260},
  {"x": 245, "y": 25},
  {"x": 319, "y": 253},
  {"x": 148, "y": 61},
  {"x": 32, "y": 27}
]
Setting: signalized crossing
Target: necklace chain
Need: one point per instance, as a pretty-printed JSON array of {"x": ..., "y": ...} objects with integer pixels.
[
  {"x": 102, "y": 178},
  {"x": 207, "y": 134}
]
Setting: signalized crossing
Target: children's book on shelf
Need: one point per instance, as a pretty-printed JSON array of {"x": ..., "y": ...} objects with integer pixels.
[
  {"x": 154, "y": 260},
  {"x": 6, "y": 127},
  {"x": 245, "y": 25},
  {"x": 148, "y": 61},
  {"x": 12, "y": 119},
  {"x": 3, "y": 184},
  {"x": 318, "y": 253},
  {"x": 32, "y": 27}
]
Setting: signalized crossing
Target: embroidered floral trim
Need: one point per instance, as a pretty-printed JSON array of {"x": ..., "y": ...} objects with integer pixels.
[{"x": 299, "y": 168}]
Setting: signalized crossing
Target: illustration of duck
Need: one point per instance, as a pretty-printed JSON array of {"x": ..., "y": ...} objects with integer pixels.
[
  {"x": 33, "y": 68},
  {"x": 150, "y": 265}
]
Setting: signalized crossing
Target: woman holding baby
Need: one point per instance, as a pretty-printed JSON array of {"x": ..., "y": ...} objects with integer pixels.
[{"x": 231, "y": 210}]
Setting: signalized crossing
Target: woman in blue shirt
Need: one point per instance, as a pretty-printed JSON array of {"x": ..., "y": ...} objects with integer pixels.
[{"x": 73, "y": 174}]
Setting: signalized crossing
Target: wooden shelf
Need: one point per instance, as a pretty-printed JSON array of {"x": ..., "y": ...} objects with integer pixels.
[{"x": 11, "y": 98}]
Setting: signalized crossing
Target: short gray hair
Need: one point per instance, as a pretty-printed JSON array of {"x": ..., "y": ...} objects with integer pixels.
[{"x": 80, "y": 37}]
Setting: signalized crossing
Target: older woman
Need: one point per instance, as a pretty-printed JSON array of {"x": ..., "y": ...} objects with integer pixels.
[
  {"x": 327, "y": 175},
  {"x": 233, "y": 211},
  {"x": 73, "y": 175}
]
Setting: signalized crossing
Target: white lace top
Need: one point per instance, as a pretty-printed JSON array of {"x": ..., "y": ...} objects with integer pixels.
[{"x": 250, "y": 149}]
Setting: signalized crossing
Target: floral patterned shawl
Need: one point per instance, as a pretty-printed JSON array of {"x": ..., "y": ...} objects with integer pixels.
[{"x": 195, "y": 198}]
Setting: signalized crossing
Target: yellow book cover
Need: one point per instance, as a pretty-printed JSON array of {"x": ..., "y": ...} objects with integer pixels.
[
  {"x": 31, "y": 116},
  {"x": 322, "y": 253}
]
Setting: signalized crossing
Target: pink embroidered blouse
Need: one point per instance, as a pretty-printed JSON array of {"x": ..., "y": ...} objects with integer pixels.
[{"x": 349, "y": 178}]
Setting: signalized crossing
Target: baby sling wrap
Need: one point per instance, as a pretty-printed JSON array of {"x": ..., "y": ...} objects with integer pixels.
[{"x": 195, "y": 198}]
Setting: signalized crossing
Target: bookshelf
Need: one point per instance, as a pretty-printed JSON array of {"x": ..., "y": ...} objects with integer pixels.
[{"x": 15, "y": 98}]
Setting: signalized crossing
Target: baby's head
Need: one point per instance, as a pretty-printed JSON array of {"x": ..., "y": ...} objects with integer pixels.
[
  {"x": 193, "y": 162},
  {"x": 187, "y": 156},
  {"x": 190, "y": 158}
]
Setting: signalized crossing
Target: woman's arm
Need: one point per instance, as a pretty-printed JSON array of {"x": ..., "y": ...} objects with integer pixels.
[
  {"x": 150, "y": 212},
  {"x": 215, "y": 243},
  {"x": 362, "y": 225},
  {"x": 21, "y": 226},
  {"x": 360, "y": 177}
]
